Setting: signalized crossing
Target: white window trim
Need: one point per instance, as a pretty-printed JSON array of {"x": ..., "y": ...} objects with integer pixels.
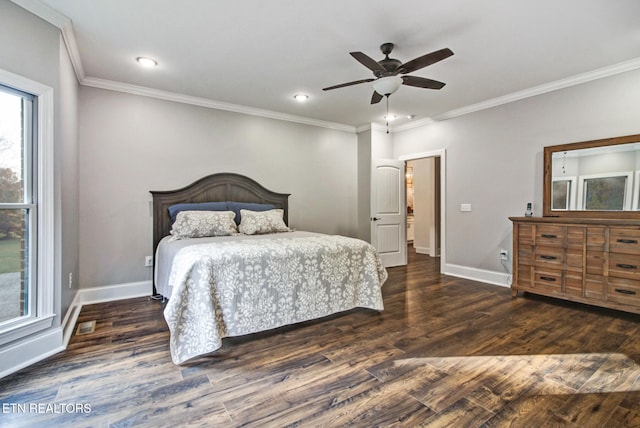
[
  {"x": 572, "y": 194},
  {"x": 45, "y": 281},
  {"x": 636, "y": 192},
  {"x": 627, "y": 190}
]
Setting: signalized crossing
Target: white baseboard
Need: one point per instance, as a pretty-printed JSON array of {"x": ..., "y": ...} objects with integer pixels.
[
  {"x": 110, "y": 293},
  {"x": 422, "y": 250},
  {"x": 70, "y": 318},
  {"x": 481, "y": 275}
]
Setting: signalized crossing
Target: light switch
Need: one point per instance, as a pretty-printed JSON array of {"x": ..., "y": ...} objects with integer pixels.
[{"x": 465, "y": 208}]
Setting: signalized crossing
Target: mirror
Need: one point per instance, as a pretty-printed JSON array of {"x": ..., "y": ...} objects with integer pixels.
[{"x": 598, "y": 179}]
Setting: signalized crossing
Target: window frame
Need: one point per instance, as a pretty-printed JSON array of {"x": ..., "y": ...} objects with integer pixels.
[
  {"x": 571, "y": 194},
  {"x": 628, "y": 189},
  {"x": 43, "y": 224}
]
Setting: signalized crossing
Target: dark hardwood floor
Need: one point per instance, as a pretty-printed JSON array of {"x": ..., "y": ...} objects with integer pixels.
[{"x": 445, "y": 352}]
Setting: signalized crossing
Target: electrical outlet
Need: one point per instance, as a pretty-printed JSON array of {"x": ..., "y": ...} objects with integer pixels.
[
  {"x": 70, "y": 279},
  {"x": 504, "y": 255},
  {"x": 148, "y": 261}
]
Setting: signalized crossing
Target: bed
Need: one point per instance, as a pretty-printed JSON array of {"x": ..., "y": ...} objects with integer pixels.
[{"x": 241, "y": 283}]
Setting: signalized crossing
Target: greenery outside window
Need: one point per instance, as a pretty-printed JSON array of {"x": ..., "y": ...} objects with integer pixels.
[{"x": 26, "y": 207}]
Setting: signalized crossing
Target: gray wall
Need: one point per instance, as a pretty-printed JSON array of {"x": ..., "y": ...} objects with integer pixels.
[
  {"x": 66, "y": 136},
  {"x": 132, "y": 144},
  {"x": 494, "y": 157},
  {"x": 364, "y": 184}
]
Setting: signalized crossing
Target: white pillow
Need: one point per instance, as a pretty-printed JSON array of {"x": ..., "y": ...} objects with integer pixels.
[
  {"x": 259, "y": 222},
  {"x": 198, "y": 224}
]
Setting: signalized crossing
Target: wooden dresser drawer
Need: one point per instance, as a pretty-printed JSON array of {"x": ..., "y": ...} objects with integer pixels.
[
  {"x": 549, "y": 256},
  {"x": 550, "y": 235},
  {"x": 625, "y": 291},
  {"x": 624, "y": 265},
  {"x": 547, "y": 280},
  {"x": 626, "y": 241}
]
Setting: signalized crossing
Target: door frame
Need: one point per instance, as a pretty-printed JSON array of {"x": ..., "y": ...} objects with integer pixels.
[{"x": 442, "y": 153}]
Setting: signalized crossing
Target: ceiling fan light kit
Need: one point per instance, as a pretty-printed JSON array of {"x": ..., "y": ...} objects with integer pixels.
[{"x": 387, "y": 85}]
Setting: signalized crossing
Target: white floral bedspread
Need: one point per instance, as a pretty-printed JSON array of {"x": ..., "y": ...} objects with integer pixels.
[{"x": 234, "y": 288}]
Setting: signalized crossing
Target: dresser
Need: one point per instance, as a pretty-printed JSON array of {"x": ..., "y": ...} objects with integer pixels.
[{"x": 593, "y": 261}]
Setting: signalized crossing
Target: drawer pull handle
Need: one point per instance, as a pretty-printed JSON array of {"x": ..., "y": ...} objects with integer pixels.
[
  {"x": 621, "y": 291},
  {"x": 626, "y": 266},
  {"x": 547, "y": 235},
  {"x": 548, "y": 257},
  {"x": 627, "y": 241},
  {"x": 548, "y": 278}
]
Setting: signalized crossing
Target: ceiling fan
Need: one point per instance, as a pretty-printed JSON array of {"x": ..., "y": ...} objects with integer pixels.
[{"x": 388, "y": 72}]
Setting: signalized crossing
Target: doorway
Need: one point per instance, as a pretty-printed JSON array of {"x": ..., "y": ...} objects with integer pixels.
[{"x": 425, "y": 204}]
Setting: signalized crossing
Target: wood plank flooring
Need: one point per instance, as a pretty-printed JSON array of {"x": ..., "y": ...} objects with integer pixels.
[{"x": 445, "y": 352}]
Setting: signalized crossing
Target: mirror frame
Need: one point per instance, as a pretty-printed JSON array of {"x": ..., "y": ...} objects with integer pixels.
[{"x": 546, "y": 196}]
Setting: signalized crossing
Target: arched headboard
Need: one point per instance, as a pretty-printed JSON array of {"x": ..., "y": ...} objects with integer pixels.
[{"x": 225, "y": 186}]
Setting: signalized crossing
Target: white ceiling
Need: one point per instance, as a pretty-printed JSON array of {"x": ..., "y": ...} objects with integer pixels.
[{"x": 259, "y": 53}]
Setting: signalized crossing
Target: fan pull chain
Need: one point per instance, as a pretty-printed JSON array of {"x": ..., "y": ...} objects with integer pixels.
[{"x": 387, "y": 115}]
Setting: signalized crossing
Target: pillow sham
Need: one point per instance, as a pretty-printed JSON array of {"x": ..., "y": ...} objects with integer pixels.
[
  {"x": 237, "y": 207},
  {"x": 259, "y": 222},
  {"x": 200, "y": 206},
  {"x": 198, "y": 224}
]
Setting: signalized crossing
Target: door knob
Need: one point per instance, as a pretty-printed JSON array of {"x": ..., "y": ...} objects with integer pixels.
[{"x": 374, "y": 219}]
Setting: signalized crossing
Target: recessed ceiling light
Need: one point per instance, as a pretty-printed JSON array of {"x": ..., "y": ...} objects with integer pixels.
[
  {"x": 301, "y": 97},
  {"x": 411, "y": 116},
  {"x": 146, "y": 62},
  {"x": 390, "y": 117}
]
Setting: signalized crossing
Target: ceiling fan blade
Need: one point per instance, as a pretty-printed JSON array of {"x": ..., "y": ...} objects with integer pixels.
[
  {"x": 342, "y": 85},
  {"x": 368, "y": 62},
  {"x": 425, "y": 60},
  {"x": 376, "y": 97},
  {"x": 422, "y": 82}
]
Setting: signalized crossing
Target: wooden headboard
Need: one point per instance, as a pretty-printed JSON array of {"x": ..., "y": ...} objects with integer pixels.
[{"x": 225, "y": 186}]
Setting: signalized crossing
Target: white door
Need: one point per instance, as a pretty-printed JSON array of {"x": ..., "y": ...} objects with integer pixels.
[{"x": 389, "y": 211}]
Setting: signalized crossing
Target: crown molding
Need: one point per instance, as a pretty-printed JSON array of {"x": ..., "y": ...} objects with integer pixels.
[
  {"x": 208, "y": 103},
  {"x": 65, "y": 26},
  {"x": 43, "y": 11},
  {"x": 577, "y": 79}
]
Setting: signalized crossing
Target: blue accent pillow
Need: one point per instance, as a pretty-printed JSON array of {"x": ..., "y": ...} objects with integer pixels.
[
  {"x": 202, "y": 206},
  {"x": 237, "y": 206}
]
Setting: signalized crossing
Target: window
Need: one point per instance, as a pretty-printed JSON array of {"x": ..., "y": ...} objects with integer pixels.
[
  {"x": 26, "y": 208},
  {"x": 18, "y": 212},
  {"x": 563, "y": 194},
  {"x": 606, "y": 192}
]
